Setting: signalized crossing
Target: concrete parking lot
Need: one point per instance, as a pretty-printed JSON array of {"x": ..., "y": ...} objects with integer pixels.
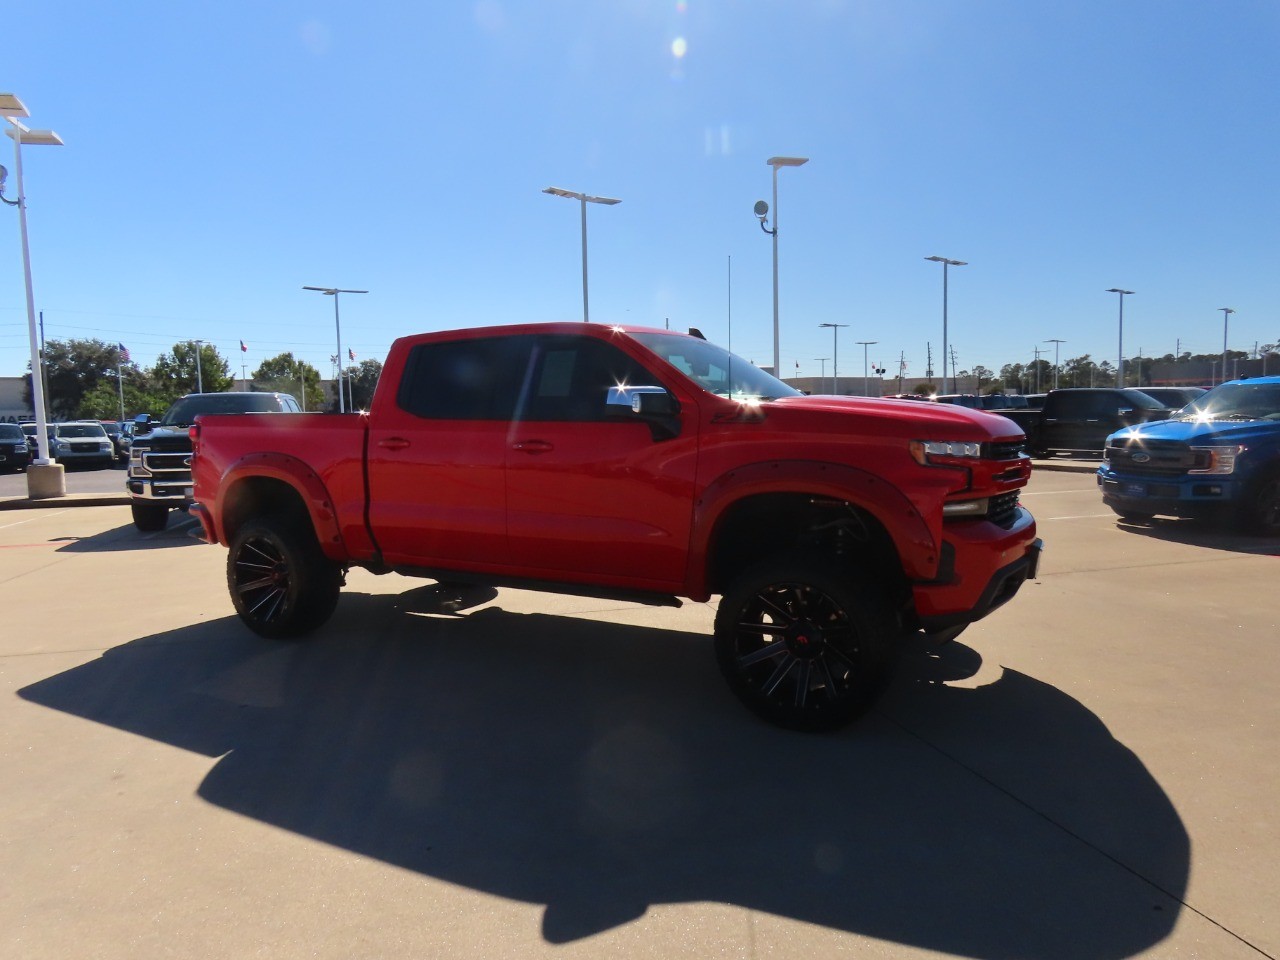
[{"x": 1089, "y": 773}]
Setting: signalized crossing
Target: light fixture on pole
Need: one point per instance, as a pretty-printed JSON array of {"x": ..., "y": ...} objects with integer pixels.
[
  {"x": 1226, "y": 314},
  {"x": 337, "y": 324},
  {"x": 762, "y": 213},
  {"x": 835, "y": 354},
  {"x": 945, "y": 264},
  {"x": 866, "y": 380},
  {"x": 44, "y": 477},
  {"x": 822, "y": 379},
  {"x": 584, "y": 199},
  {"x": 1120, "y": 366},
  {"x": 1055, "y": 343}
]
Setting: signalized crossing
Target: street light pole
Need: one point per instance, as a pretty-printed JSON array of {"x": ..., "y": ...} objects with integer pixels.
[
  {"x": 1226, "y": 313},
  {"x": 1120, "y": 365},
  {"x": 762, "y": 213},
  {"x": 199, "y": 376},
  {"x": 337, "y": 324},
  {"x": 823, "y": 378},
  {"x": 945, "y": 263},
  {"x": 835, "y": 354},
  {"x": 1055, "y": 360},
  {"x": 583, "y": 199},
  {"x": 866, "y": 381},
  {"x": 44, "y": 477}
]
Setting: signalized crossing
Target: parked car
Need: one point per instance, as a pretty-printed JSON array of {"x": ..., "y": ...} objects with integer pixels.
[
  {"x": 1218, "y": 458},
  {"x": 80, "y": 442},
  {"x": 970, "y": 400},
  {"x": 641, "y": 464},
  {"x": 1174, "y": 397},
  {"x": 28, "y": 428},
  {"x": 14, "y": 452},
  {"x": 119, "y": 439},
  {"x": 159, "y": 472},
  {"x": 1079, "y": 419}
]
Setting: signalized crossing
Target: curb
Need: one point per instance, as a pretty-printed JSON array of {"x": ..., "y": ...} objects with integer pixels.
[{"x": 70, "y": 500}]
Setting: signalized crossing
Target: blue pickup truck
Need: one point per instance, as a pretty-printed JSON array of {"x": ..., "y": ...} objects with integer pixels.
[{"x": 1217, "y": 458}]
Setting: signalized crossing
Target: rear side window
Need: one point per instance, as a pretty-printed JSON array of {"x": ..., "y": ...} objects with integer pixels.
[{"x": 465, "y": 379}]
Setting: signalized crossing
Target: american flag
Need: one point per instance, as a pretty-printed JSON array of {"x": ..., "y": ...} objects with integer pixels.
[
  {"x": 124, "y": 352},
  {"x": 243, "y": 348},
  {"x": 351, "y": 353}
]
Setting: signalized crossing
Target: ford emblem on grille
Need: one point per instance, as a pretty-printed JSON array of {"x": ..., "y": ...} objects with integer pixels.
[{"x": 1141, "y": 458}]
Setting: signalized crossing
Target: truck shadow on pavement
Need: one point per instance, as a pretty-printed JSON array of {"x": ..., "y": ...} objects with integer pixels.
[
  {"x": 179, "y": 533},
  {"x": 1200, "y": 534},
  {"x": 600, "y": 769}
]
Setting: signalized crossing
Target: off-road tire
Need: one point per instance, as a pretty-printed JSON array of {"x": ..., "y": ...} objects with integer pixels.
[
  {"x": 806, "y": 643},
  {"x": 281, "y": 584}
]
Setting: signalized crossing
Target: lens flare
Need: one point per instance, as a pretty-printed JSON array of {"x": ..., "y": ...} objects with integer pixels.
[{"x": 679, "y": 47}]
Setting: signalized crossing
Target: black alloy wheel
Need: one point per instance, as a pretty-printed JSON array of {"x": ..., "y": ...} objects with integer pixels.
[
  {"x": 281, "y": 584},
  {"x": 805, "y": 644}
]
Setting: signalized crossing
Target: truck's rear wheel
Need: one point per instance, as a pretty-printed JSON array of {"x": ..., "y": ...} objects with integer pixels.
[
  {"x": 149, "y": 516},
  {"x": 282, "y": 585},
  {"x": 804, "y": 644}
]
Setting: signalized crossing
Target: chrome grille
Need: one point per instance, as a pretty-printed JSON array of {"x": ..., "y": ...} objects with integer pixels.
[{"x": 1153, "y": 458}]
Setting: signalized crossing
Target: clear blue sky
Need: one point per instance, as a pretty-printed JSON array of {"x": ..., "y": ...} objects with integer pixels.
[{"x": 220, "y": 156}]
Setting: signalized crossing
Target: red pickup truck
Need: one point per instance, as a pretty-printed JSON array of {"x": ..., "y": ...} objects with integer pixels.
[{"x": 638, "y": 464}]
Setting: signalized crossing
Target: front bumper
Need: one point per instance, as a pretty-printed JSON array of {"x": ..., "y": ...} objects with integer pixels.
[
  {"x": 984, "y": 565},
  {"x": 1174, "y": 496}
]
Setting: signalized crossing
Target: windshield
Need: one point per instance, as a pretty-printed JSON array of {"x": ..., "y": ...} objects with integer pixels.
[
  {"x": 11, "y": 431},
  {"x": 715, "y": 369},
  {"x": 80, "y": 430},
  {"x": 187, "y": 409},
  {"x": 1235, "y": 401}
]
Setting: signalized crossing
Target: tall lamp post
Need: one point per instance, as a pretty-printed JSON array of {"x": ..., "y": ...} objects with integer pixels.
[
  {"x": 584, "y": 199},
  {"x": 823, "y": 377},
  {"x": 44, "y": 477},
  {"x": 199, "y": 373},
  {"x": 762, "y": 213},
  {"x": 945, "y": 263},
  {"x": 835, "y": 354},
  {"x": 1226, "y": 313},
  {"x": 866, "y": 380},
  {"x": 1055, "y": 343},
  {"x": 337, "y": 324},
  {"x": 1120, "y": 364}
]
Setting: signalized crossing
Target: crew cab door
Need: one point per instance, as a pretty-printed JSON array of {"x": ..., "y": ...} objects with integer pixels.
[
  {"x": 594, "y": 491},
  {"x": 437, "y": 457}
]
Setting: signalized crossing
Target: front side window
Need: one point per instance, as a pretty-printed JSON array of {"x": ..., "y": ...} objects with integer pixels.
[{"x": 571, "y": 377}]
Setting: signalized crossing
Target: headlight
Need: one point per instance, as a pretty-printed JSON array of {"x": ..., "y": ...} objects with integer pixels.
[
  {"x": 965, "y": 508},
  {"x": 1218, "y": 460},
  {"x": 926, "y": 452}
]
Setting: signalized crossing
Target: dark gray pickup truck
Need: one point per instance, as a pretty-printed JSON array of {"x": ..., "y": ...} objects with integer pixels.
[{"x": 1079, "y": 419}]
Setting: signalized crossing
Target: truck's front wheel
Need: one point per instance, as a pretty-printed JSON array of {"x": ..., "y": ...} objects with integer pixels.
[
  {"x": 806, "y": 645},
  {"x": 1260, "y": 512},
  {"x": 282, "y": 585},
  {"x": 150, "y": 516}
]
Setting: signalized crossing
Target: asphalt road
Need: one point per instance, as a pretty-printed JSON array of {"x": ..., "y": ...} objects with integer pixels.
[{"x": 1088, "y": 773}]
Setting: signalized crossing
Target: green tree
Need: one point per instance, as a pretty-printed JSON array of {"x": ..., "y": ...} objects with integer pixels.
[
  {"x": 174, "y": 374},
  {"x": 363, "y": 378},
  {"x": 73, "y": 369},
  {"x": 286, "y": 374}
]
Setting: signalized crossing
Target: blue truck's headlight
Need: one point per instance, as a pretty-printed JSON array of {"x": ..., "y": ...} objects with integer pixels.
[{"x": 1218, "y": 460}]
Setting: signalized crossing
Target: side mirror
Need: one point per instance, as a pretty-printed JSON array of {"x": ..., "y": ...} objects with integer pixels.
[{"x": 653, "y": 405}]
